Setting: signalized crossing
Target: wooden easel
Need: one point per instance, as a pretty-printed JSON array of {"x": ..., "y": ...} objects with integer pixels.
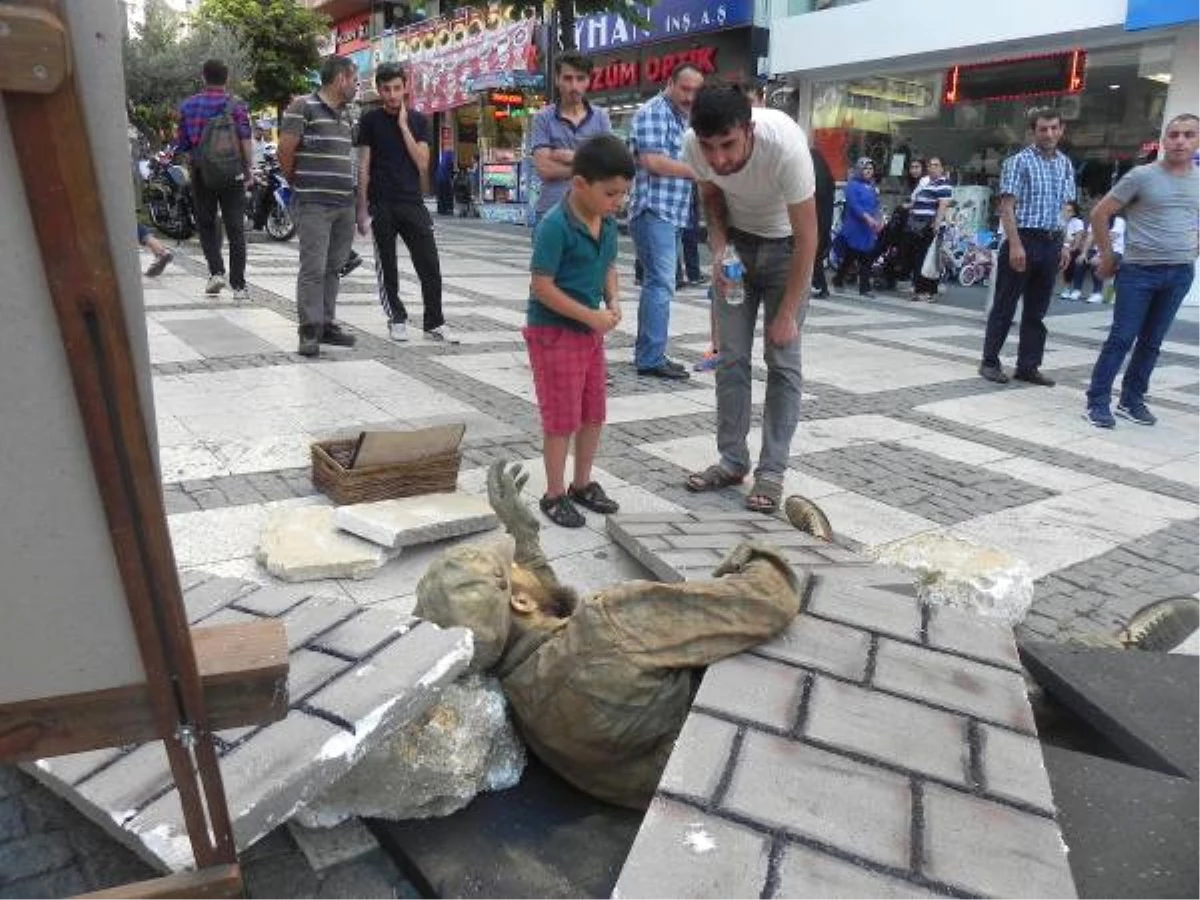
[{"x": 195, "y": 681}]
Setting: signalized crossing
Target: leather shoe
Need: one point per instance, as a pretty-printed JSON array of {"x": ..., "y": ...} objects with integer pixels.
[
  {"x": 1033, "y": 376},
  {"x": 993, "y": 373},
  {"x": 668, "y": 370},
  {"x": 333, "y": 335}
]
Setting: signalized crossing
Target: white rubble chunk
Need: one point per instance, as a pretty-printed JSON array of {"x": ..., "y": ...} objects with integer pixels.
[
  {"x": 408, "y": 521},
  {"x": 462, "y": 745},
  {"x": 302, "y": 544},
  {"x": 954, "y": 572}
]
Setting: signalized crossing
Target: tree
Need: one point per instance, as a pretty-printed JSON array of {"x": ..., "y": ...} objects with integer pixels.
[
  {"x": 162, "y": 66},
  {"x": 280, "y": 39}
]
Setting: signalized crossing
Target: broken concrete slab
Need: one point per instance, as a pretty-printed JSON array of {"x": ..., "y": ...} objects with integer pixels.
[
  {"x": 409, "y": 521},
  {"x": 302, "y": 544},
  {"x": 325, "y": 848},
  {"x": 950, "y": 571},
  {"x": 460, "y": 746}
]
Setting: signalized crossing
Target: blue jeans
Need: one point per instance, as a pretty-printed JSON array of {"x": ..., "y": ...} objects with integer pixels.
[
  {"x": 1147, "y": 299},
  {"x": 767, "y": 264},
  {"x": 655, "y": 240}
]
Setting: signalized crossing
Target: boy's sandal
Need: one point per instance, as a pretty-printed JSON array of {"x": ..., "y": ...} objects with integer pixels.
[
  {"x": 712, "y": 479},
  {"x": 592, "y": 497},
  {"x": 561, "y": 511},
  {"x": 764, "y": 497}
]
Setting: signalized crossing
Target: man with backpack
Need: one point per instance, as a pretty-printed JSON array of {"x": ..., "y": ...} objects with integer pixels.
[{"x": 214, "y": 129}]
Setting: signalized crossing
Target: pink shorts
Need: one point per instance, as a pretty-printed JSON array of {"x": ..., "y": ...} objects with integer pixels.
[{"x": 569, "y": 375}]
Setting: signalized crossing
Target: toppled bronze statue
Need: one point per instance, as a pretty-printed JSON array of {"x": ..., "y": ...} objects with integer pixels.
[{"x": 600, "y": 686}]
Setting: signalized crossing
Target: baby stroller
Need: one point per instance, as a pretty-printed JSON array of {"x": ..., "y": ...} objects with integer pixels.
[
  {"x": 888, "y": 247},
  {"x": 464, "y": 196}
]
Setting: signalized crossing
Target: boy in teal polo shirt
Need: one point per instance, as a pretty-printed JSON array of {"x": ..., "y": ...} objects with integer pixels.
[{"x": 573, "y": 303}]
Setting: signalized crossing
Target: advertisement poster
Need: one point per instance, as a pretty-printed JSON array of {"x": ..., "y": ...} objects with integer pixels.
[{"x": 668, "y": 19}]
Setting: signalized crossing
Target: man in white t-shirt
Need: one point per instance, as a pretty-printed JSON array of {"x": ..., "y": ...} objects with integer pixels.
[{"x": 756, "y": 181}]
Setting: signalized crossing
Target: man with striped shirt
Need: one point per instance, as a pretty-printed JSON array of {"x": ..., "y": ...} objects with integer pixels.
[
  {"x": 315, "y": 151},
  {"x": 1035, "y": 186}
]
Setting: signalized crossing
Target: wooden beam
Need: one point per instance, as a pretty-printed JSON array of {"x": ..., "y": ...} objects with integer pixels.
[
  {"x": 215, "y": 881},
  {"x": 243, "y": 672}
]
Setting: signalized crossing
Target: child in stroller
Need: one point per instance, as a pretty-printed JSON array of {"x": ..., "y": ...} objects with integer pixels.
[
  {"x": 886, "y": 257},
  {"x": 464, "y": 195}
]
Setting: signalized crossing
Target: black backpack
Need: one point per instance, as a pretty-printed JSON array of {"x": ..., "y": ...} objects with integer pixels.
[{"x": 219, "y": 153}]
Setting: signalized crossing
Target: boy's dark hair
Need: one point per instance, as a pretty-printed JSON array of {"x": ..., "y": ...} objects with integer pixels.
[
  {"x": 575, "y": 60},
  {"x": 1045, "y": 114},
  {"x": 603, "y": 157},
  {"x": 719, "y": 108},
  {"x": 333, "y": 66},
  {"x": 216, "y": 73},
  {"x": 390, "y": 72}
]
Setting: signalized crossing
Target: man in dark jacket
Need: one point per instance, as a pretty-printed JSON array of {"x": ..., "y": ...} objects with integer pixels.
[{"x": 824, "y": 198}]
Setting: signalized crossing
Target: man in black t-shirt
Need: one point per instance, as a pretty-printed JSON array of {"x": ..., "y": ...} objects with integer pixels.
[{"x": 393, "y": 157}]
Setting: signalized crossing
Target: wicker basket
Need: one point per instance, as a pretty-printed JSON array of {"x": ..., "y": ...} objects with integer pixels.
[{"x": 431, "y": 475}]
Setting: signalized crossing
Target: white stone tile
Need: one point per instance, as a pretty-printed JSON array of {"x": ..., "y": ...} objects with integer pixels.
[
  {"x": 399, "y": 577},
  {"x": 167, "y": 348},
  {"x": 217, "y": 535},
  {"x": 1045, "y": 475},
  {"x": 634, "y": 499},
  {"x": 170, "y": 431},
  {"x": 594, "y": 570},
  {"x": 639, "y": 407},
  {"x": 870, "y": 522},
  {"x": 423, "y": 519},
  {"x": 864, "y": 368},
  {"x": 266, "y": 454},
  {"x": 188, "y": 462},
  {"x": 1186, "y": 470},
  {"x": 817, "y": 435},
  {"x": 248, "y": 569}
]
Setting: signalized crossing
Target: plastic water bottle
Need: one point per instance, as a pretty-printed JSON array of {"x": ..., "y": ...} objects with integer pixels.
[{"x": 735, "y": 273}]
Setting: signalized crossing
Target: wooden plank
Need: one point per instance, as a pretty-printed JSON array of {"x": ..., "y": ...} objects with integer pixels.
[
  {"x": 215, "y": 881},
  {"x": 35, "y": 58},
  {"x": 243, "y": 671}
]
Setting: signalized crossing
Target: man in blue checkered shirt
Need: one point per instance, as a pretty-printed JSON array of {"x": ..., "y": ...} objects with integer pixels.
[
  {"x": 662, "y": 200},
  {"x": 1035, "y": 185}
]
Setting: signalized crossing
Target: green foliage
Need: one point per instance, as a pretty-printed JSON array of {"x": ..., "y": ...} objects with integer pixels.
[
  {"x": 162, "y": 67},
  {"x": 280, "y": 40}
]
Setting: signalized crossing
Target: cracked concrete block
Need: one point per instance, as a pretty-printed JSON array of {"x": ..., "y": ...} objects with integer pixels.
[
  {"x": 424, "y": 519},
  {"x": 325, "y": 848},
  {"x": 302, "y": 544}
]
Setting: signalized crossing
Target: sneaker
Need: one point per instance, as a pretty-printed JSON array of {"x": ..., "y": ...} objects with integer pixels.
[
  {"x": 561, "y": 511},
  {"x": 1095, "y": 298},
  {"x": 711, "y": 360},
  {"x": 350, "y": 265},
  {"x": 592, "y": 497},
  {"x": 160, "y": 262},
  {"x": 398, "y": 331},
  {"x": 994, "y": 374},
  {"x": 1034, "y": 376},
  {"x": 241, "y": 295},
  {"x": 310, "y": 343},
  {"x": 1136, "y": 412},
  {"x": 334, "y": 335},
  {"x": 1099, "y": 417},
  {"x": 442, "y": 334},
  {"x": 215, "y": 283}
]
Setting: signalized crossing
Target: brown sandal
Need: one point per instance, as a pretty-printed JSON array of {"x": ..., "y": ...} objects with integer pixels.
[
  {"x": 764, "y": 497},
  {"x": 714, "y": 478}
]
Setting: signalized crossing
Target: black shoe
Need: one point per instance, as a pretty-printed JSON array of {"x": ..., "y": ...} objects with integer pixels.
[
  {"x": 336, "y": 337},
  {"x": 351, "y": 264},
  {"x": 1033, "y": 376},
  {"x": 592, "y": 497},
  {"x": 838, "y": 283},
  {"x": 699, "y": 281},
  {"x": 310, "y": 344},
  {"x": 822, "y": 294},
  {"x": 993, "y": 373},
  {"x": 867, "y": 295},
  {"x": 665, "y": 371},
  {"x": 561, "y": 511}
]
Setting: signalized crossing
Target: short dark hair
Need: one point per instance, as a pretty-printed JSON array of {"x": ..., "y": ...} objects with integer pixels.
[
  {"x": 719, "y": 108},
  {"x": 1182, "y": 117},
  {"x": 682, "y": 67},
  {"x": 1043, "y": 114},
  {"x": 390, "y": 72},
  {"x": 575, "y": 60},
  {"x": 334, "y": 66},
  {"x": 602, "y": 157},
  {"x": 216, "y": 73}
]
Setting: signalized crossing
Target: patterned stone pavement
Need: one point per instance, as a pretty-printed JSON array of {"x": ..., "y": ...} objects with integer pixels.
[{"x": 899, "y": 435}]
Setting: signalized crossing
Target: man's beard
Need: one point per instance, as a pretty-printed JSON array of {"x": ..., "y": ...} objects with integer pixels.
[{"x": 561, "y": 602}]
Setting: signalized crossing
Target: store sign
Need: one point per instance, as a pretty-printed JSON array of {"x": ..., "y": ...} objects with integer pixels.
[
  {"x": 353, "y": 33},
  {"x": 668, "y": 19},
  {"x": 620, "y": 74},
  {"x": 1016, "y": 79},
  {"x": 505, "y": 98}
]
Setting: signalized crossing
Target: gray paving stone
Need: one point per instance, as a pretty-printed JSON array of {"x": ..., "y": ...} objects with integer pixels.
[
  {"x": 970, "y": 634},
  {"x": 698, "y": 758},
  {"x": 228, "y": 615},
  {"x": 74, "y": 767},
  {"x": 273, "y": 600},
  {"x": 314, "y": 616},
  {"x": 683, "y": 852},
  {"x": 992, "y": 850},
  {"x": 855, "y": 597},
  {"x": 32, "y": 855},
  {"x": 991, "y": 693},
  {"x": 325, "y": 848},
  {"x": 753, "y": 688},
  {"x": 127, "y": 785},
  {"x": 818, "y": 644},
  {"x": 721, "y": 543},
  {"x": 309, "y": 670},
  {"x": 366, "y": 632},
  {"x": 887, "y": 728},
  {"x": 860, "y": 809},
  {"x": 1013, "y": 767},
  {"x": 211, "y": 595},
  {"x": 12, "y": 820},
  {"x": 807, "y": 873},
  {"x": 65, "y": 882}
]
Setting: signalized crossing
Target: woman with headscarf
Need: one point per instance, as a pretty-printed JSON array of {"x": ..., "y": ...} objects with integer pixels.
[{"x": 861, "y": 223}]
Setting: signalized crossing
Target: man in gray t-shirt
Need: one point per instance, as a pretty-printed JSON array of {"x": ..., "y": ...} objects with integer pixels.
[{"x": 1161, "y": 204}]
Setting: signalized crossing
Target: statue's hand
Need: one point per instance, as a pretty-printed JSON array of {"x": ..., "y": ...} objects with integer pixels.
[
  {"x": 735, "y": 560},
  {"x": 504, "y": 493}
]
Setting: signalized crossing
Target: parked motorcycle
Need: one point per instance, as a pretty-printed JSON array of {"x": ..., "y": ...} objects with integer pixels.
[
  {"x": 270, "y": 197},
  {"x": 167, "y": 194}
]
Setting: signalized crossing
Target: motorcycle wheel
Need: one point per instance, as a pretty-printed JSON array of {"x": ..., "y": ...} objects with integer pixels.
[{"x": 280, "y": 226}]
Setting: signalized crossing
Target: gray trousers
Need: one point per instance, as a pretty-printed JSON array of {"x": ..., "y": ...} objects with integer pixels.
[
  {"x": 767, "y": 266},
  {"x": 326, "y": 234}
]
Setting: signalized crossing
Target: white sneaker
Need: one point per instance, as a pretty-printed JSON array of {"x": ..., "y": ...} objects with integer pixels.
[
  {"x": 1096, "y": 298},
  {"x": 442, "y": 333},
  {"x": 215, "y": 283},
  {"x": 241, "y": 295},
  {"x": 1074, "y": 294},
  {"x": 397, "y": 331}
]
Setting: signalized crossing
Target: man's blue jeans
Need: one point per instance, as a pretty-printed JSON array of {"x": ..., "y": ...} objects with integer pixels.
[
  {"x": 655, "y": 240},
  {"x": 1147, "y": 299}
]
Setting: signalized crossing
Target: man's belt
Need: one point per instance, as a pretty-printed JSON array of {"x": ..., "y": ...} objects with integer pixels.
[
  {"x": 747, "y": 237},
  {"x": 1041, "y": 234}
]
